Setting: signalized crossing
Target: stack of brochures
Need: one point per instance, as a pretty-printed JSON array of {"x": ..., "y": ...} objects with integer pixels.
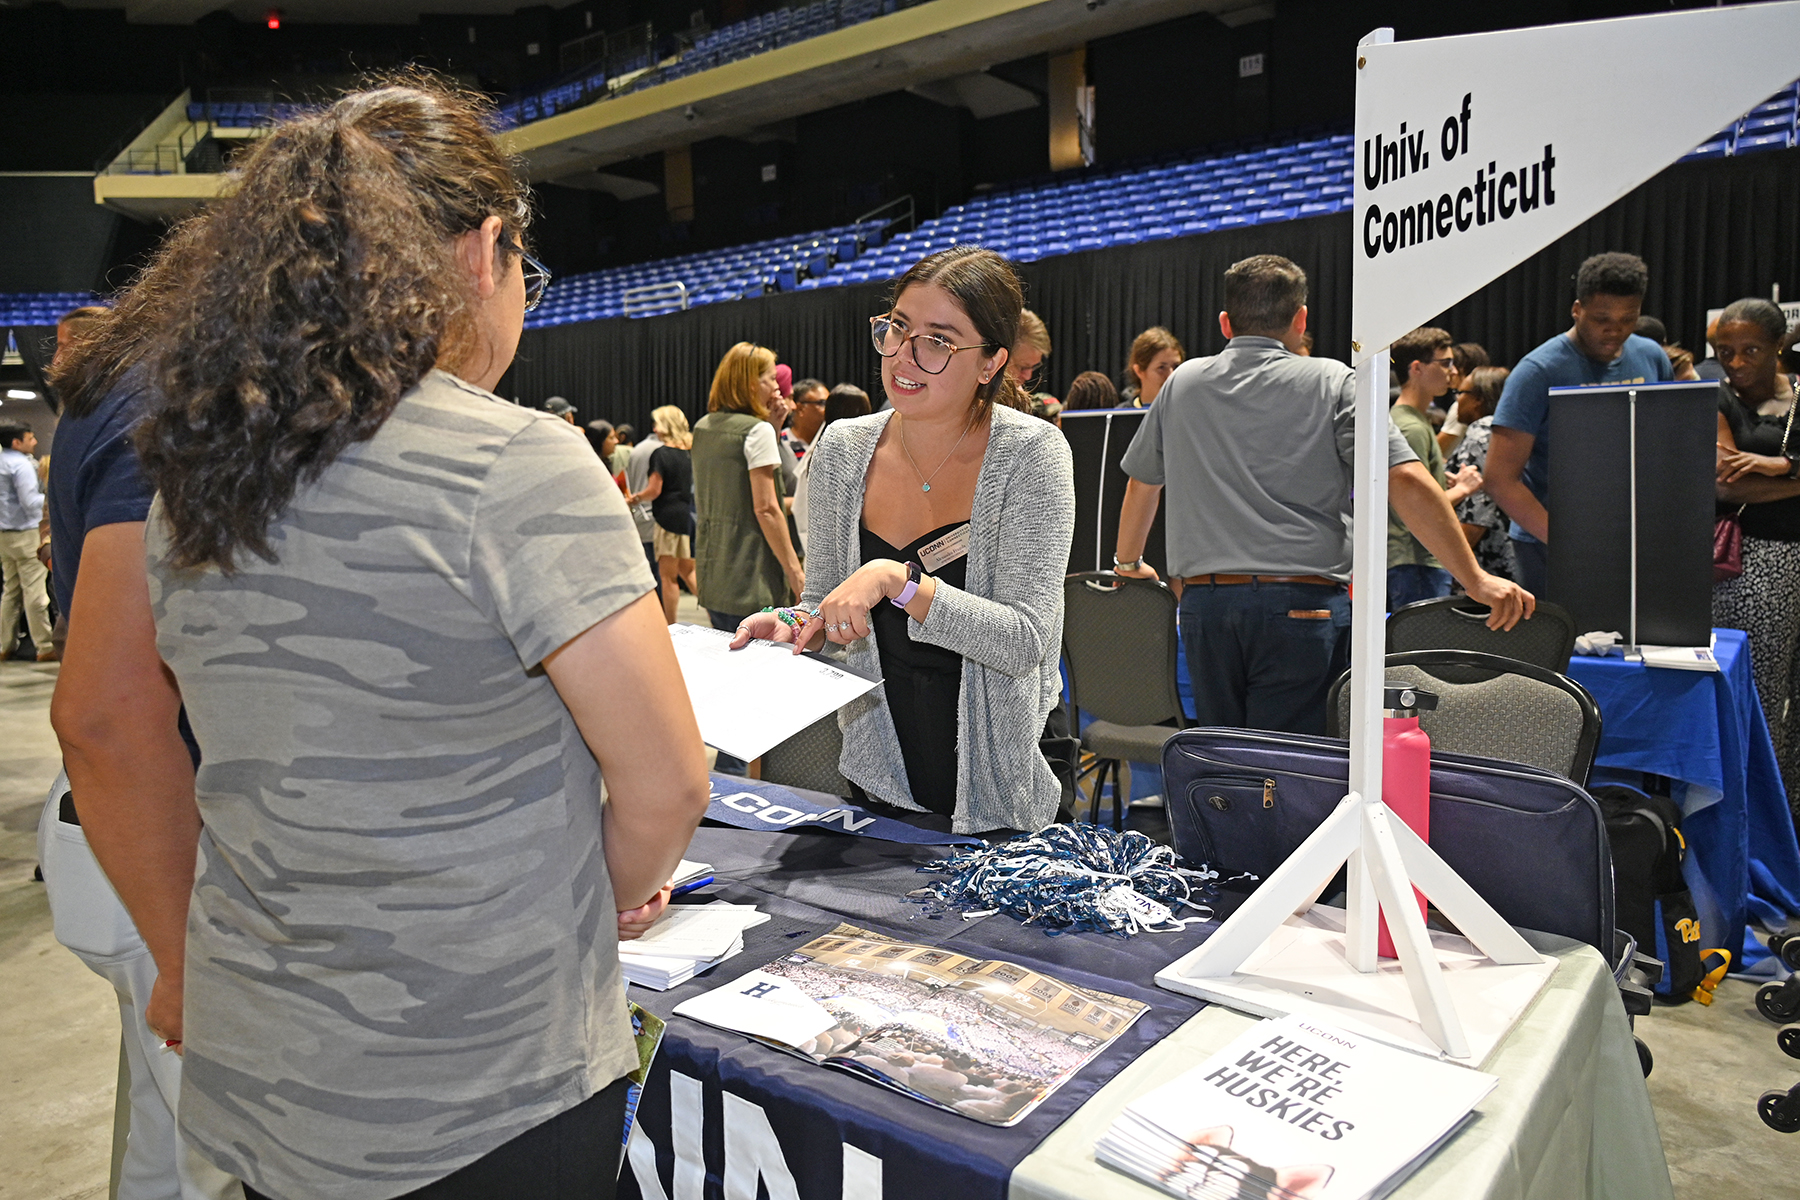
[
  {"x": 686, "y": 940},
  {"x": 687, "y": 871},
  {"x": 1294, "y": 1110},
  {"x": 979, "y": 1037}
]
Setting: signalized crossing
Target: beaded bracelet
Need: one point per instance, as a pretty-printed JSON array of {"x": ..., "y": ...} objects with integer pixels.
[{"x": 793, "y": 618}]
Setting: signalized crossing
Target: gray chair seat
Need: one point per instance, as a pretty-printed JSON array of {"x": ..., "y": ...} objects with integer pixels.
[
  {"x": 1127, "y": 743},
  {"x": 1493, "y": 707}
]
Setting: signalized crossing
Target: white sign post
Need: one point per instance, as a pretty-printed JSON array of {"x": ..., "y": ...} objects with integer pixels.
[{"x": 1473, "y": 153}]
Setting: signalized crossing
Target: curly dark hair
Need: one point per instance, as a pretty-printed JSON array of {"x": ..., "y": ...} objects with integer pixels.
[
  {"x": 1611, "y": 274},
  {"x": 309, "y": 299}
]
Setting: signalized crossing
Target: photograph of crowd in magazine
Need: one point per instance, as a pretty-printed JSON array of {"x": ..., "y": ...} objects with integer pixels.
[{"x": 982, "y": 1038}]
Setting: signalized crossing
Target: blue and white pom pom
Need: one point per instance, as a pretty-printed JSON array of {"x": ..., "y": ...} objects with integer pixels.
[{"x": 1073, "y": 877}]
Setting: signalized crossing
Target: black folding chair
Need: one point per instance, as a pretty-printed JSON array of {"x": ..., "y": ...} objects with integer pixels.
[
  {"x": 1459, "y": 623},
  {"x": 1119, "y": 646}
]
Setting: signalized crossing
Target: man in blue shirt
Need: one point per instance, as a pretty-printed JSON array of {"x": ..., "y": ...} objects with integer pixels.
[
  {"x": 21, "y": 512},
  {"x": 100, "y": 500},
  {"x": 1600, "y": 348}
]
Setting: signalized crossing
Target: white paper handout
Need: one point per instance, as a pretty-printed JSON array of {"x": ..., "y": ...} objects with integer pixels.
[
  {"x": 747, "y": 701},
  {"x": 686, "y": 941},
  {"x": 1293, "y": 1108},
  {"x": 761, "y": 1005},
  {"x": 695, "y": 930}
]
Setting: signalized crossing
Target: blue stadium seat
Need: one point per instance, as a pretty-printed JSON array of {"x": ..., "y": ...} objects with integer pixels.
[
  {"x": 1717, "y": 148},
  {"x": 1764, "y": 141}
]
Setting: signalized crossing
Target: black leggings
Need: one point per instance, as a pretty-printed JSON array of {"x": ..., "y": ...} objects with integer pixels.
[{"x": 572, "y": 1156}]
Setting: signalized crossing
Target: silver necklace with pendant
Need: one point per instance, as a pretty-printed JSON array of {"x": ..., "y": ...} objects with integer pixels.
[{"x": 924, "y": 479}]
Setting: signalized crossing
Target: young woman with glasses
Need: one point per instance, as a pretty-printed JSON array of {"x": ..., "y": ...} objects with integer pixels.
[
  {"x": 937, "y": 541},
  {"x": 412, "y": 627}
]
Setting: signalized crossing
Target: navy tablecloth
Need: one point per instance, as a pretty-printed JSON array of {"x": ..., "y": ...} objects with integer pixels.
[
  {"x": 1706, "y": 730},
  {"x": 810, "y": 882}
]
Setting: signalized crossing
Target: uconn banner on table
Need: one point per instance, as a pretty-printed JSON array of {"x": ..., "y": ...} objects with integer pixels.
[{"x": 1475, "y": 152}]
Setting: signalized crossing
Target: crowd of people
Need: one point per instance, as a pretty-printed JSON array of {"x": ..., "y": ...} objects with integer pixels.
[{"x": 351, "y": 644}]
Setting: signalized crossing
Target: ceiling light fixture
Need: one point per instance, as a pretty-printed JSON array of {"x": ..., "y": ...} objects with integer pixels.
[{"x": 16, "y": 394}]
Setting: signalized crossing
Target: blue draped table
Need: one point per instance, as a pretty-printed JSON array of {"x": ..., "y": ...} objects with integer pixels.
[{"x": 1705, "y": 731}]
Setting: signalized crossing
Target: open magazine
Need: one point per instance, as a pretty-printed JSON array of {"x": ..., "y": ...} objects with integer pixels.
[
  {"x": 1294, "y": 1110},
  {"x": 979, "y": 1037}
]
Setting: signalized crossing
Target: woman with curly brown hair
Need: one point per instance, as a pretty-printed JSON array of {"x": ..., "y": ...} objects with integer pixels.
[{"x": 412, "y": 627}]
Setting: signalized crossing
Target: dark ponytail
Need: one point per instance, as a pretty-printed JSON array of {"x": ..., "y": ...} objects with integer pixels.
[
  {"x": 309, "y": 299},
  {"x": 987, "y": 289}
]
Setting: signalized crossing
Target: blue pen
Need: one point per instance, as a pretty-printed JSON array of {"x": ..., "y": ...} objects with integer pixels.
[{"x": 696, "y": 885}]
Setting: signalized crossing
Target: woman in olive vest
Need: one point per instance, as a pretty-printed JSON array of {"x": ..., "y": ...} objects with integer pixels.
[{"x": 745, "y": 557}]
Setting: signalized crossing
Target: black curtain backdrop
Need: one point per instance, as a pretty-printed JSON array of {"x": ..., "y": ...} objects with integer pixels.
[{"x": 1711, "y": 232}]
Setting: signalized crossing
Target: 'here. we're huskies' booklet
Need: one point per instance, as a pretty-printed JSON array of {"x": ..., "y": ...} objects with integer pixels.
[
  {"x": 1293, "y": 1110},
  {"x": 982, "y": 1038}
]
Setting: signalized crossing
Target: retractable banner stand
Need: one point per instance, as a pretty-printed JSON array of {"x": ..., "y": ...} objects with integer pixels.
[{"x": 1473, "y": 153}]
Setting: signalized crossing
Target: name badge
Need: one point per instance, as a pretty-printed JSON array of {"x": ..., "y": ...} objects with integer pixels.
[{"x": 946, "y": 550}]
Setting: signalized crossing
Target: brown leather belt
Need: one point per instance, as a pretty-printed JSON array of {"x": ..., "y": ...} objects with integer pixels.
[{"x": 1231, "y": 579}]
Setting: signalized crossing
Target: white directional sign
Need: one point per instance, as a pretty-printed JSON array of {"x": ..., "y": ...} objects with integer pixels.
[{"x": 1475, "y": 152}]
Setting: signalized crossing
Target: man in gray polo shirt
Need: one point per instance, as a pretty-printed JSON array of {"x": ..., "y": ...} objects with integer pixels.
[{"x": 1256, "y": 446}]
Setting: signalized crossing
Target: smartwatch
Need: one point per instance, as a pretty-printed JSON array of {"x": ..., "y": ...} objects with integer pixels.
[{"x": 913, "y": 573}]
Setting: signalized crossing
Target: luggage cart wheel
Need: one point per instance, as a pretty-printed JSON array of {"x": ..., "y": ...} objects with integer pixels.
[
  {"x": 1780, "y": 1111},
  {"x": 1780, "y": 1002},
  {"x": 1645, "y": 1060},
  {"x": 1789, "y": 1041},
  {"x": 1788, "y": 951}
]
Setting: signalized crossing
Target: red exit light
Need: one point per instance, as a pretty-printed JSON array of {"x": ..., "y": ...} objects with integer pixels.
[{"x": 274, "y": 18}]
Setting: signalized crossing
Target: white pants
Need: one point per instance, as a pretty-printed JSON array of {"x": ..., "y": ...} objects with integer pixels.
[{"x": 91, "y": 921}]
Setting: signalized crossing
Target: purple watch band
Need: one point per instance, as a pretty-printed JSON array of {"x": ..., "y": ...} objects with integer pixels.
[{"x": 911, "y": 589}]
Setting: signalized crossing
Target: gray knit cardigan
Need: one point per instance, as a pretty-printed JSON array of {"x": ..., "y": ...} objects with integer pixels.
[{"x": 1007, "y": 625}]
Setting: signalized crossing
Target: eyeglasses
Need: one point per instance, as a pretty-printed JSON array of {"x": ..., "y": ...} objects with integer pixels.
[
  {"x": 537, "y": 277},
  {"x": 810, "y": 403},
  {"x": 1449, "y": 364},
  {"x": 930, "y": 351}
]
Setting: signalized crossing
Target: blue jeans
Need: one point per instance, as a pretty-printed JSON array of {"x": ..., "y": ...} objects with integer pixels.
[
  {"x": 1411, "y": 583},
  {"x": 727, "y": 764},
  {"x": 1264, "y": 655}
]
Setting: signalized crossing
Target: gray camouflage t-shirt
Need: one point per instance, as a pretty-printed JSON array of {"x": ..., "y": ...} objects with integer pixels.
[{"x": 401, "y": 946}]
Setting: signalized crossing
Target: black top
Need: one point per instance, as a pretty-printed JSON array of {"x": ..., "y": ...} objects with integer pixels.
[
  {"x": 1777, "y": 520},
  {"x": 923, "y": 683},
  {"x": 673, "y": 508}
]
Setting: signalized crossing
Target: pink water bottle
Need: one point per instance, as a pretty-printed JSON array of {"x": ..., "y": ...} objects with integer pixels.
[{"x": 1405, "y": 773}]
